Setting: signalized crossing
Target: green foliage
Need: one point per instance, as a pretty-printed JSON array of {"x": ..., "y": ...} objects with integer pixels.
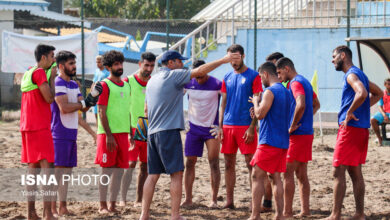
[
  {"x": 138, "y": 36},
  {"x": 139, "y": 9}
]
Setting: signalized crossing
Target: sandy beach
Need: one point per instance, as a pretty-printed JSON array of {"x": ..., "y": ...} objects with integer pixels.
[{"x": 376, "y": 172}]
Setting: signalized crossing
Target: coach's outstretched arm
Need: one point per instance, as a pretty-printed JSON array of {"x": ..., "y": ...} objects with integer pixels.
[
  {"x": 208, "y": 67},
  {"x": 375, "y": 93}
]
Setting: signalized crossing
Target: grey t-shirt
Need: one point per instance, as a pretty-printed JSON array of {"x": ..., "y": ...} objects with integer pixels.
[{"x": 164, "y": 97}]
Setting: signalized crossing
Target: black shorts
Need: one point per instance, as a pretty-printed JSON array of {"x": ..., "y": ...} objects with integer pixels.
[{"x": 165, "y": 152}]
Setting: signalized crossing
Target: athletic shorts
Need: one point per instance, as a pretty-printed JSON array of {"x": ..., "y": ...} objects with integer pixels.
[
  {"x": 37, "y": 145},
  {"x": 233, "y": 140},
  {"x": 165, "y": 152},
  {"x": 351, "y": 146},
  {"x": 65, "y": 153},
  {"x": 140, "y": 150},
  {"x": 118, "y": 157},
  {"x": 300, "y": 148},
  {"x": 270, "y": 159},
  {"x": 379, "y": 117},
  {"x": 195, "y": 139}
]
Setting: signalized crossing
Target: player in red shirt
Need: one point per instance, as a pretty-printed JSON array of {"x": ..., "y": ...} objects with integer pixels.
[{"x": 37, "y": 142}]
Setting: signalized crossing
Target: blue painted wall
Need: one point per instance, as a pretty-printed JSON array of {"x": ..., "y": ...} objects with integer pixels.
[{"x": 310, "y": 50}]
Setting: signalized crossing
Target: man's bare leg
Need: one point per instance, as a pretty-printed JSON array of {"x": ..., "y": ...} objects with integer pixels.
[
  {"x": 103, "y": 191},
  {"x": 176, "y": 192},
  {"x": 47, "y": 168},
  {"x": 115, "y": 186},
  {"x": 62, "y": 190},
  {"x": 258, "y": 176},
  {"x": 267, "y": 196},
  {"x": 355, "y": 172},
  {"x": 304, "y": 189},
  {"x": 338, "y": 192},
  {"x": 126, "y": 181},
  {"x": 375, "y": 127},
  {"x": 278, "y": 195},
  {"x": 289, "y": 189},
  {"x": 230, "y": 179},
  {"x": 215, "y": 173},
  {"x": 33, "y": 168},
  {"x": 147, "y": 196},
  {"x": 142, "y": 175},
  {"x": 189, "y": 178}
]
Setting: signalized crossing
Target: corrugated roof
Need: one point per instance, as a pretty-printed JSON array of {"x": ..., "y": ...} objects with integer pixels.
[
  {"x": 102, "y": 37},
  {"x": 39, "y": 8},
  {"x": 241, "y": 9},
  {"x": 60, "y": 17}
]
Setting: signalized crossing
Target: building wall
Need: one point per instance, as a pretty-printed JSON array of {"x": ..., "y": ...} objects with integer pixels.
[
  {"x": 6, "y": 79},
  {"x": 310, "y": 50}
]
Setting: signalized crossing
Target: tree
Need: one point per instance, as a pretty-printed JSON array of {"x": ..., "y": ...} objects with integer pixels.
[{"x": 139, "y": 9}]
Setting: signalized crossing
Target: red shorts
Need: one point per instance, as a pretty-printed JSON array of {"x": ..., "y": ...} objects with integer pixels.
[
  {"x": 119, "y": 157},
  {"x": 37, "y": 145},
  {"x": 300, "y": 148},
  {"x": 351, "y": 146},
  {"x": 233, "y": 139},
  {"x": 140, "y": 150},
  {"x": 270, "y": 159}
]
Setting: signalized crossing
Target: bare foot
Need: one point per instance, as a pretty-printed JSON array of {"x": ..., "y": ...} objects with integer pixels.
[
  {"x": 213, "y": 205},
  {"x": 357, "y": 217},
  {"x": 144, "y": 217},
  {"x": 50, "y": 217},
  {"x": 103, "y": 211},
  {"x": 33, "y": 216},
  {"x": 178, "y": 218},
  {"x": 302, "y": 215},
  {"x": 122, "y": 204},
  {"x": 113, "y": 209},
  {"x": 137, "y": 204},
  {"x": 279, "y": 217},
  {"x": 255, "y": 218},
  {"x": 55, "y": 213},
  {"x": 332, "y": 217},
  {"x": 186, "y": 204},
  {"x": 229, "y": 206},
  {"x": 64, "y": 211},
  {"x": 265, "y": 209}
]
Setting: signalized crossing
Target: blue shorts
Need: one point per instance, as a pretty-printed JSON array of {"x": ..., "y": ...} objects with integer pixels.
[
  {"x": 195, "y": 139},
  {"x": 379, "y": 117},
  {"x": 165, "y": 152},
  {"x": 65, "y": 153}
]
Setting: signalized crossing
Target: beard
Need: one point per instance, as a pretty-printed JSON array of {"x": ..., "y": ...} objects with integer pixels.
[
  {"x": 117, "y": 72},
  {"x": 145, "y": 74},
  {"x": 70, "y": 72},
  {"x": 238, "y": 66},
  {"x": 339, "y": 65}
]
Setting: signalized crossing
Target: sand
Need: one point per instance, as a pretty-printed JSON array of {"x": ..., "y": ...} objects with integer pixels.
[{"x": 376, "y": 172}]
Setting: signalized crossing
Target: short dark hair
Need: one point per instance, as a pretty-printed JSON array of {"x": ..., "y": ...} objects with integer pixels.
[
  {"x": 63, "y": 56},
  {"x": 112, "y": 56},
  {"x": 345, "y": 49},
  {"x": 387, "y": 80},
  {"x": 198, "y": 63},
  {"x": 235, "y": 48},
  {"x": 283, "y": 62},
  {"x": 148, "y": 56},
  {"x": 274, "y": 56},
  {"x": 269, "y": 67},
  {"x": 42, "y": 50}
]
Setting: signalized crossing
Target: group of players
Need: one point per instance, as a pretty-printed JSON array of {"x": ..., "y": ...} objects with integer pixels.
[{"x": 283, "y": 113}]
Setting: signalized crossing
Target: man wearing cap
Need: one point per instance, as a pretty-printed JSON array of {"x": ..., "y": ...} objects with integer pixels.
[{"x": 164, "y": 104}]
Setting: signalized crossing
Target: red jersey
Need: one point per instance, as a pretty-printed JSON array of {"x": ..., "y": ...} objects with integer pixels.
[{"x": 35, "y": 112}]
